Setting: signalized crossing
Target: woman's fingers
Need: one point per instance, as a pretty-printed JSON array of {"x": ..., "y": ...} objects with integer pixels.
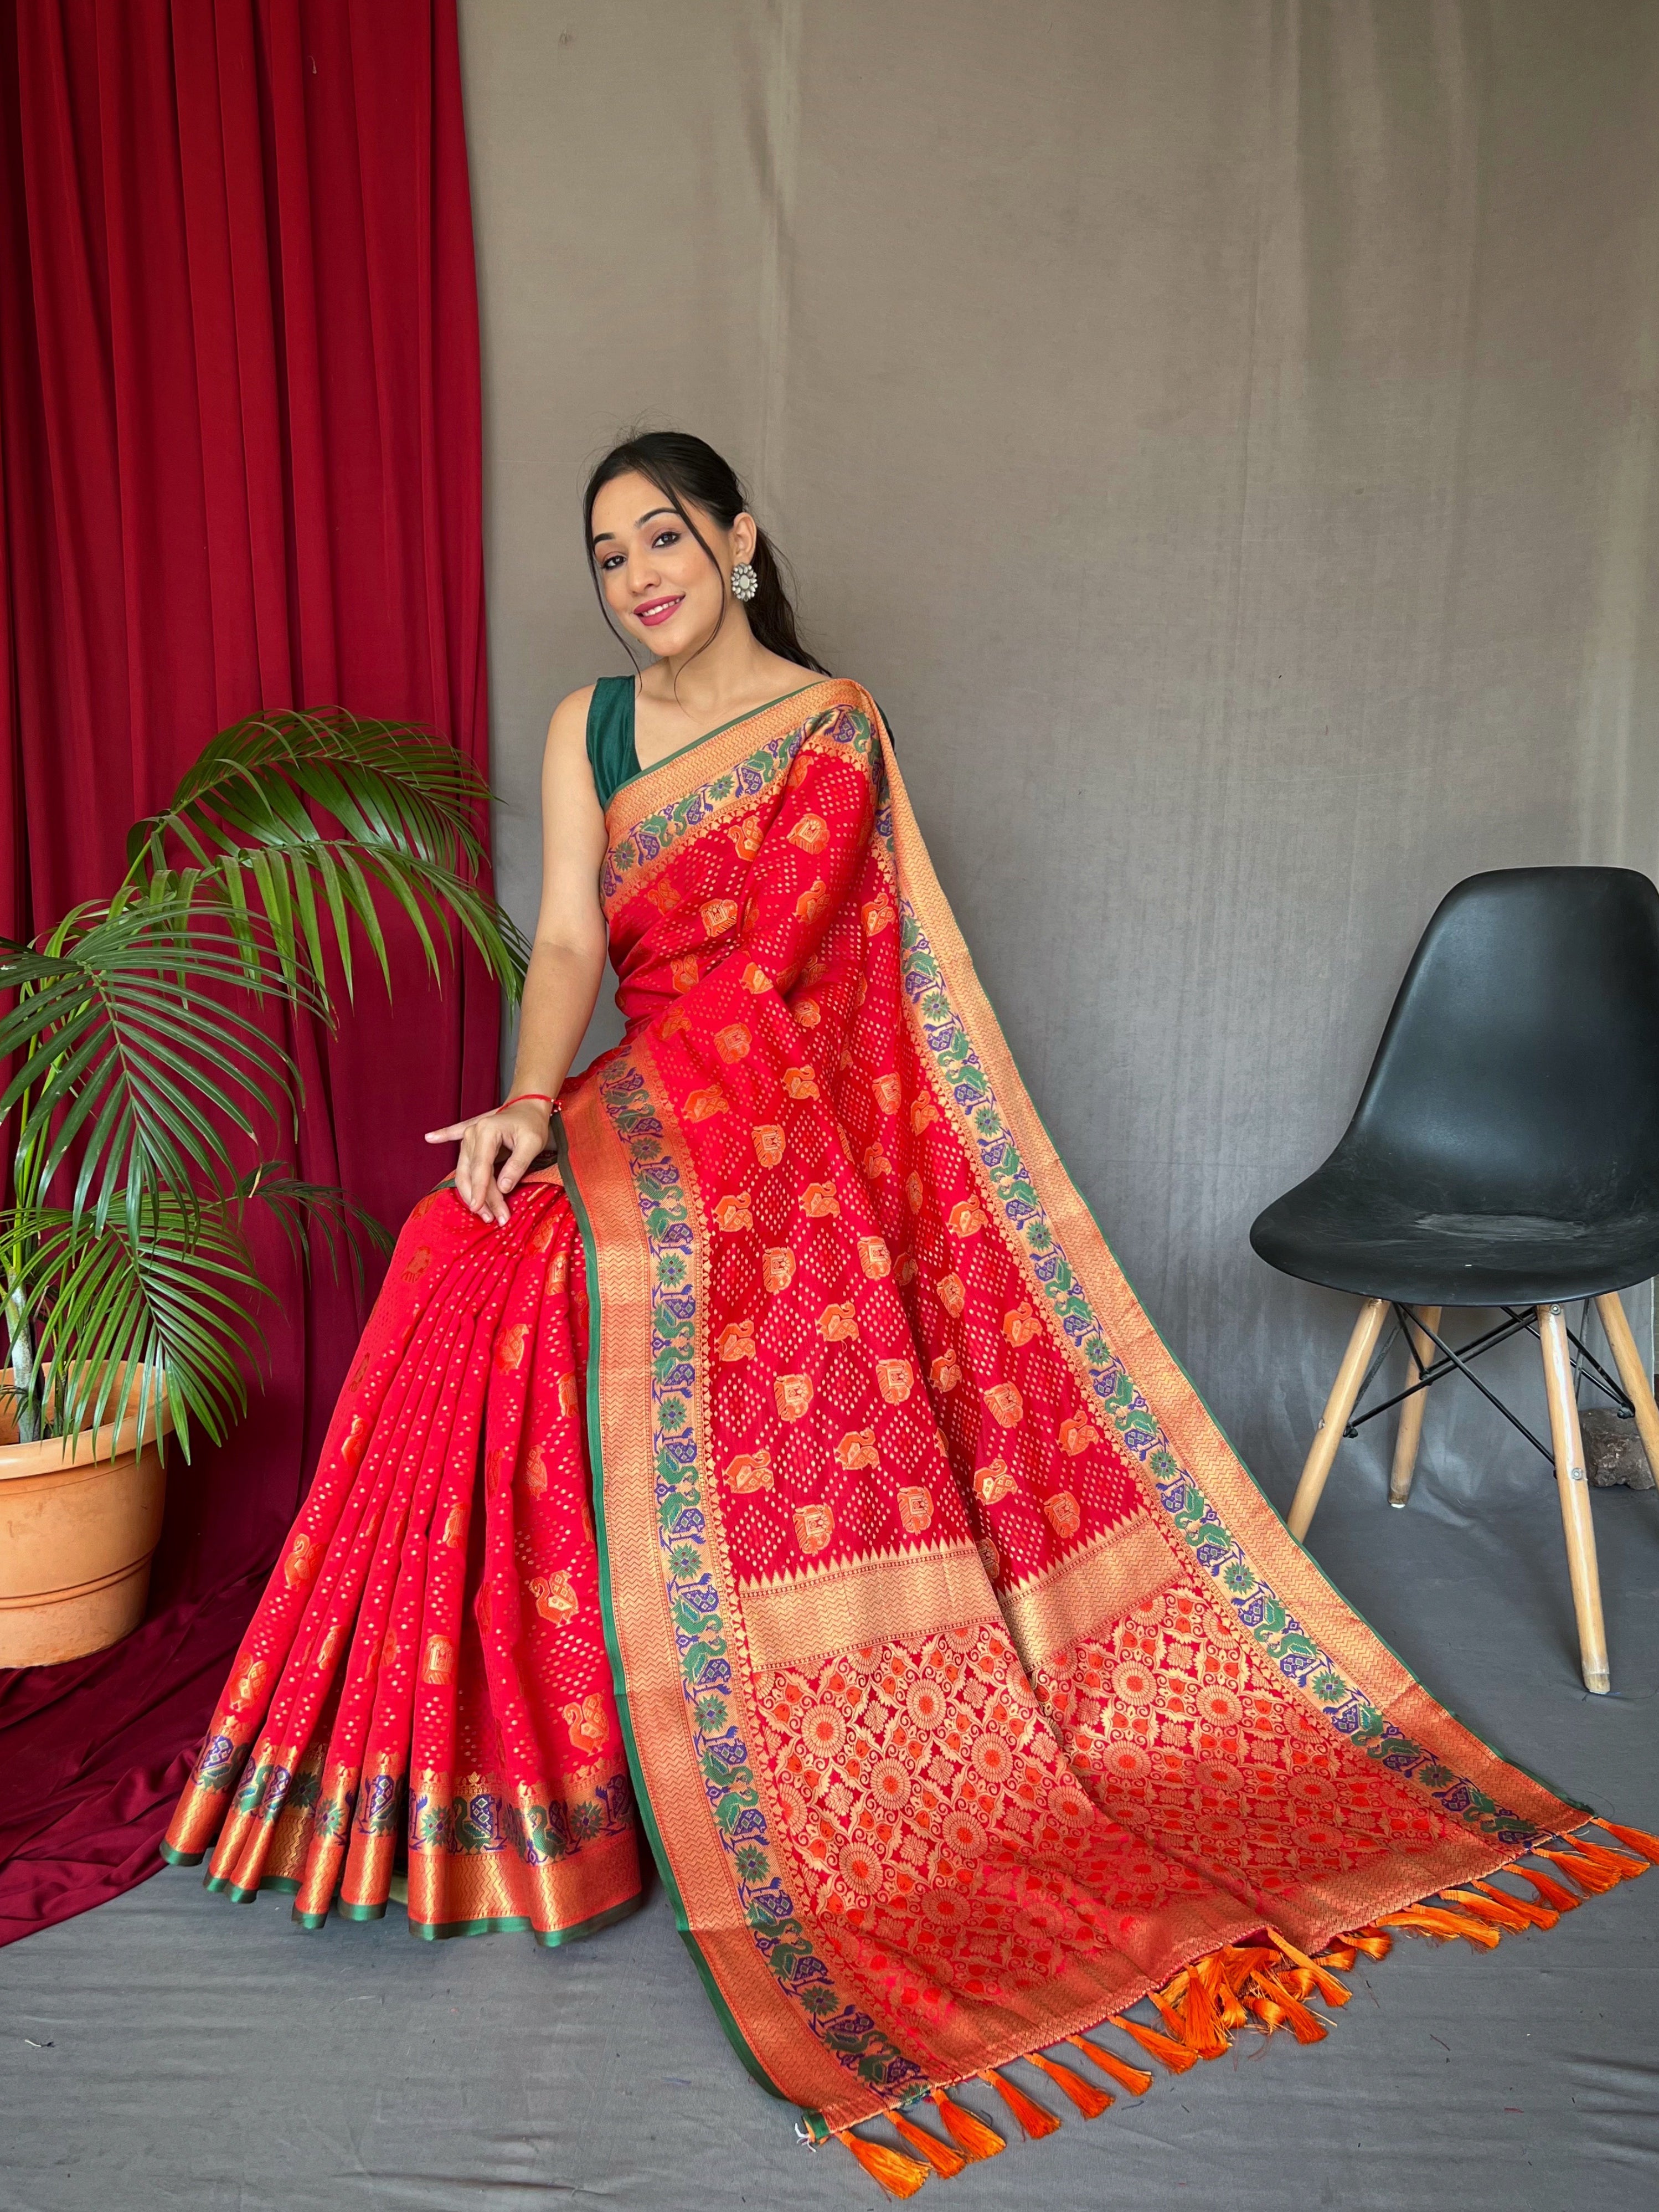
[
  {"x": 479, "y": 1146},
  {"x": 526, "y": 1145},
  {"x": 479, "y": 1149},
  {"x": 483, "y": 1140}
]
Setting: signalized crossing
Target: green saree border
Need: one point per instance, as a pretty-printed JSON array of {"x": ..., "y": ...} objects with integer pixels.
[{"x": 518, "y": 1924}]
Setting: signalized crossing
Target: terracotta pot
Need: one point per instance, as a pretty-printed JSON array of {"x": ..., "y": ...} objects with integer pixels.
[{"x": 76, "y": 1534}]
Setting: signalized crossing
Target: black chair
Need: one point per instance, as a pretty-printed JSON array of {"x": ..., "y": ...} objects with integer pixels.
[{"x": 1504, "y": 1153}]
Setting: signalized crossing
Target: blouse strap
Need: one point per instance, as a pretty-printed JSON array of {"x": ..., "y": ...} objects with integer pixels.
[{"x": 611, "y": 749}]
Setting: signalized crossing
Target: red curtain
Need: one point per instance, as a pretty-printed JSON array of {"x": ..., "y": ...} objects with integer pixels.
[{"x": 240, "y": 468}]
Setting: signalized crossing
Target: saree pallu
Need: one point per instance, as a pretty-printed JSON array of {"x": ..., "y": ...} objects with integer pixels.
[{"x": 969, "y": 1690}]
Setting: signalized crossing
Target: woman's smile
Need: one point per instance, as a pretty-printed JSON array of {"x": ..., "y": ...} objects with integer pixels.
[{"x": 656, "y": 611}]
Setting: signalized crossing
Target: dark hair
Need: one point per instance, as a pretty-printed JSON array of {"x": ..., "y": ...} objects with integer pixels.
[{"x": 690, "y": 472}]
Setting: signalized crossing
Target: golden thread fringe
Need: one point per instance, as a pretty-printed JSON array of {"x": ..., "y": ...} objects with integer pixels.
[{"x": 1268, "y": 1982}]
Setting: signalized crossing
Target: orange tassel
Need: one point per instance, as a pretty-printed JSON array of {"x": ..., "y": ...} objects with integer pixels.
[
  {"x": 1090, "y": 2101},
  {"x": 1227, "y": 1972},
  {"x": 1497, "y": 1909},
  {"x": 1203, "y": 2041},
  {"x": 1330, "y": 1988},
  {"x": 1167, "y": 2052},
  {"x": 1552, "y": 1893},
  {"x": 1034, "y": 2121},
  {"x": 1240, "y": 1962},
  {"x": 1273, "y": 2003},
  {"x": 1200, "y": 2029},
  {"x": 971, "y": 2135},
  {"x": 1135, "y": 2079},
  {"x": 1371, "y": 1941},
  {"x": 945, "y": 2161},
  {"x": 1585, "y": 1872},
  {"x": 1340, "y": 1958},
  {"x": 890, "y": 2169},
  {"x": 1635, "y": 1839},
  {"x": 1536, "y": 1916},
  {"x": 1435, "y": 1920},
  {"x": 1613, "y": 1863}
]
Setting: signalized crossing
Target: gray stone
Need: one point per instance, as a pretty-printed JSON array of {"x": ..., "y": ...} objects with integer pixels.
[{"x": 1613, "y": 1453}]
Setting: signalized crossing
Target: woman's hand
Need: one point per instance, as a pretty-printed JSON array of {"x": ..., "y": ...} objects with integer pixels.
[{"x": 520, "y": 1130}]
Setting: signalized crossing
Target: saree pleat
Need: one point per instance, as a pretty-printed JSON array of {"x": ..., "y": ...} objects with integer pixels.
[
  {"x": 404, "y": 1690},
  {"x": 356, "y": 1616},
  {"x": 413, "y": 1665},
  {"x": 862, "y": 1530}
]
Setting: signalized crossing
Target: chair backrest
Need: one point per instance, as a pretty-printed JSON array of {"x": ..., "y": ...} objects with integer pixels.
[{"x": 1519, "y": 1070}]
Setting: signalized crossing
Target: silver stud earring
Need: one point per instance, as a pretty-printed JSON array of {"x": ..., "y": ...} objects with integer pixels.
[{"x": 744, "y": 580}]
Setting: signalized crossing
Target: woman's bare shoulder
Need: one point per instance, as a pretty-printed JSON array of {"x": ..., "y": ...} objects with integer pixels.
[{"x": 568, "y": 724}]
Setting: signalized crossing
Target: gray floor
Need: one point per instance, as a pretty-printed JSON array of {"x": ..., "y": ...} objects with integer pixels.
[{"x": 174, "y": 2051}]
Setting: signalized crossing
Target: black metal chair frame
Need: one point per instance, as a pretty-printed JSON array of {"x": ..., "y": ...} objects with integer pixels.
[{"x": 1455, "y": 1358}]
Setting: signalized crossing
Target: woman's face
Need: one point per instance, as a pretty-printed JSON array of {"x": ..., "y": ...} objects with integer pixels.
[{"x": 657, "y": 579}]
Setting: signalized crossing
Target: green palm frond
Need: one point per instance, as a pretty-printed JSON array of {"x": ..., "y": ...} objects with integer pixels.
[
  {"x": 345, "y": 1226},
  {"x": 130, "y": 1046},
  {"x": 142, "y": 1054},
  {"x": 408, "y": 803},
  {"x": 174, "y": 1306}
]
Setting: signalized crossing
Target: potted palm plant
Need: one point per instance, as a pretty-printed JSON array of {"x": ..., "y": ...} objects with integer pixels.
[{"x": 148, "y": 1076}]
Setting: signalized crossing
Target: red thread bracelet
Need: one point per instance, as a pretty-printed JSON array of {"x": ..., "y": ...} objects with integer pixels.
[{"x": 545, "y": 1096}]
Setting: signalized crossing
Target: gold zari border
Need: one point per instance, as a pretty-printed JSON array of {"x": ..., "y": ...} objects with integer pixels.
[
  {"x": 1096, "y": 1585},
  {"x": 886, "y": 1596}
]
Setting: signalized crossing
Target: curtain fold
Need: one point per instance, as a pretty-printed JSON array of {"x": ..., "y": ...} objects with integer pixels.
[{"x": 239, "y": 470}]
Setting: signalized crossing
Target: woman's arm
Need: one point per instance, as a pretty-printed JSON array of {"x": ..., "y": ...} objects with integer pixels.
[{"x": 567, "y": 964}]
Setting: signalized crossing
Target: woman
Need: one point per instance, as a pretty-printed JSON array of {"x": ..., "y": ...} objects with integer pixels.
[{"x": 791, "y": 1447}]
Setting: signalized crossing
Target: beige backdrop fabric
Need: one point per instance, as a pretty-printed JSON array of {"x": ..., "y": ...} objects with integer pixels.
[{"x": 1222, "y": 436}]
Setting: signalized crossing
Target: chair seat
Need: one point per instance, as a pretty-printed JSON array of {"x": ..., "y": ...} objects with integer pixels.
[{"x": 1344, "y": 1229}]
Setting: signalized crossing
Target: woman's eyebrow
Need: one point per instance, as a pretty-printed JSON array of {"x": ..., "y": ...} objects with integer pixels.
[{"x": 643, "y": 520}]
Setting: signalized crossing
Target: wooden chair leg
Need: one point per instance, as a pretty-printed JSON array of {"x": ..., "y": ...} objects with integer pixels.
[
  {"x": 1573, "y": 1484},
  {"x": 1410, "y": 1434},
  {"x": 1338, "y": 1406},
  {"x": 1638, "y": 1384}
]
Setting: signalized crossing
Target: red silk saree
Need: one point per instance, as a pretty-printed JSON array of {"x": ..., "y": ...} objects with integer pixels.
[{"x": 796, "y": 1475}]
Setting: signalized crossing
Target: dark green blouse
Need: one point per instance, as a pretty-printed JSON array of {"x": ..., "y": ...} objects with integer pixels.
[
  {"x": 611, "y": 749},
  {"x": 611, "y": 753}
]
